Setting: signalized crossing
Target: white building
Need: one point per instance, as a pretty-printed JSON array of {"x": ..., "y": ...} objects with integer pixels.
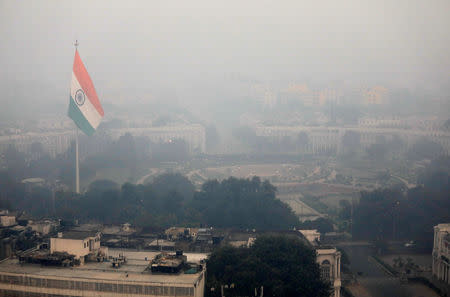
[
  {"x": 101, "y": 279},
  {"x": 441, "y": 252},
  {"x": 313, "y": 236},
  {"x": 327, "y": 139},
  {"x": 7, "y": 220},
  {"x": 79, "y": 244},
  {"x": 193, "y": 135},
  {"x": 329, "y": 260}
]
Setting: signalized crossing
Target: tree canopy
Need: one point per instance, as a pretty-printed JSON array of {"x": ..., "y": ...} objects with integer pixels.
[
  {"x": 170, "y": 199},
  {"x": 243, "y": 203},
  {"x": 393, "y": 214},
  {"x": 284, "y": 265}
]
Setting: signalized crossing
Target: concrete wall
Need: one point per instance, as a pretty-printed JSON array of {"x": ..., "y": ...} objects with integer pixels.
[{"x": 77, "y": 247}]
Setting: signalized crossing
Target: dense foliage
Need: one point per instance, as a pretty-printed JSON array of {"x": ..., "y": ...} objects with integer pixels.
[
  {"x": 170, "y": 199},
  {"x": 394, "y": 214},
  {"x": 242, "y": 203},
  {"x": 282, "y": 264}
]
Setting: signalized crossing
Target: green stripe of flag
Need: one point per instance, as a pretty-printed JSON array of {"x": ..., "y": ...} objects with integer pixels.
[{"x": 79, "y": 119}]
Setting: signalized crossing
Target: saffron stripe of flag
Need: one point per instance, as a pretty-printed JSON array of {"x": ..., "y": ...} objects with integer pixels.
[{"x": 84, "y": 107}]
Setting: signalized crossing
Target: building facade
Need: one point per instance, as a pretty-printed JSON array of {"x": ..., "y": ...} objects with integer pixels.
[
  {"x": 98, "y": 279},
  {"x": 441, "y": 253},
  {"x": 79, "y": 244},
  {"x": 329, "y": 260}
]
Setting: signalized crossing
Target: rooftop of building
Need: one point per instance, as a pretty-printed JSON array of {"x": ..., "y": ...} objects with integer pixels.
[
  {"x": 106, "y": 229},
  {"x": 326, "y": 250},
  {"x": 443, "y": 227},
  {"x": 132, "y": 271},
  {"x": 78, "y": 235}
]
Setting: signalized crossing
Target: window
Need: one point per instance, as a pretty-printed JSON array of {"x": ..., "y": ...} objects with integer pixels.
[{"x": 325, "y": 270}]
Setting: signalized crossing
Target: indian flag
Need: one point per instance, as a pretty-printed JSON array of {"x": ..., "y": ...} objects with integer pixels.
[{"x": 84, "y": 107}]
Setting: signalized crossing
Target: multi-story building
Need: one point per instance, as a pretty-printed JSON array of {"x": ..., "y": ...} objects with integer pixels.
[
  {"x": 441, "y": 253},
  {"x": 119, "y": 273},
  {"x": 193, "y": 135},
  {"x": 328, "y": 139},
  {"x": 55, "y": 143}
]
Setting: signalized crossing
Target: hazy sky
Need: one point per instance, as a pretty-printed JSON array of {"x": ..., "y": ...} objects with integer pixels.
[{"x": 137, "y": 45}]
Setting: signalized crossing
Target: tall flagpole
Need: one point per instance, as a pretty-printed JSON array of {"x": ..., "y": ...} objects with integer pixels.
[{"x": 77, "y": 169}]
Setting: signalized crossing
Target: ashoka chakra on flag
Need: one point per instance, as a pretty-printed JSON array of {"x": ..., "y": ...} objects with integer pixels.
[{"x": 84, "y": 107}]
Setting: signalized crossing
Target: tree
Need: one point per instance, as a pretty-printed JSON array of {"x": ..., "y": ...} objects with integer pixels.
[
  {"x": 242, "y": 203},
  {"x": 351, "y": 141},
  {"x": 302, "y": 139},
  {"x": 284, "y": 265},
  {"x": 103, "y": 185},
  {"x": 323, "y": 225},
  {"x": 345, "y": 209},
  {"x": 169, "y": 182},
  {"x": 211, "y": 137},
  {"x": 425, "y": 148}
]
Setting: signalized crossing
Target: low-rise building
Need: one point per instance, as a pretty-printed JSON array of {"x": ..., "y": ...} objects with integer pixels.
[
  {"x": 441, "y": 253},
  {"x": 7, "y": 220},
  {"x": 162, "y": 245},
  {"x": 79, "y": 244},
  {"x": 43, "y": 227}
]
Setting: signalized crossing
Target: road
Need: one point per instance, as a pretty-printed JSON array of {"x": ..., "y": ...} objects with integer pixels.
[
  {"x": 153, "y": 171},
  {"x": 407, "y": 184},
  {"x": 372, "y": 282}
]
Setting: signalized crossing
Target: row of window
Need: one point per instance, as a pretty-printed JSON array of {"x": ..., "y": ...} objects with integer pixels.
[
  {"x": 12, "y": 293},
  {"x": 96, "y": 286}
]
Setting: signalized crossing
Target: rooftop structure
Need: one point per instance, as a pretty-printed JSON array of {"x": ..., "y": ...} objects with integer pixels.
[
  {"x": 79, "y": 244},
  {"x": 313, "y": 236},
  {"x": 100, "y": 278},
  {"x": 43, "y": 227}
]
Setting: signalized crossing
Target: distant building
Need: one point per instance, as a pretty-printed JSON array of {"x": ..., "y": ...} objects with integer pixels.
[
  {"x": 7, "y": 220},
  {"x": 162, "y": 245},
  {"x": 43, "y": 227},
  {"x": 313, "y": 236},
  {"x": 441, "y": 253},
  {"x": 328, "y": 139},
  {"x": 204, "y": 235},
  {"x": 178, "y": 233},
  {"x": 193, "y": 135},
  {"x": 375, "y": 95}
]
